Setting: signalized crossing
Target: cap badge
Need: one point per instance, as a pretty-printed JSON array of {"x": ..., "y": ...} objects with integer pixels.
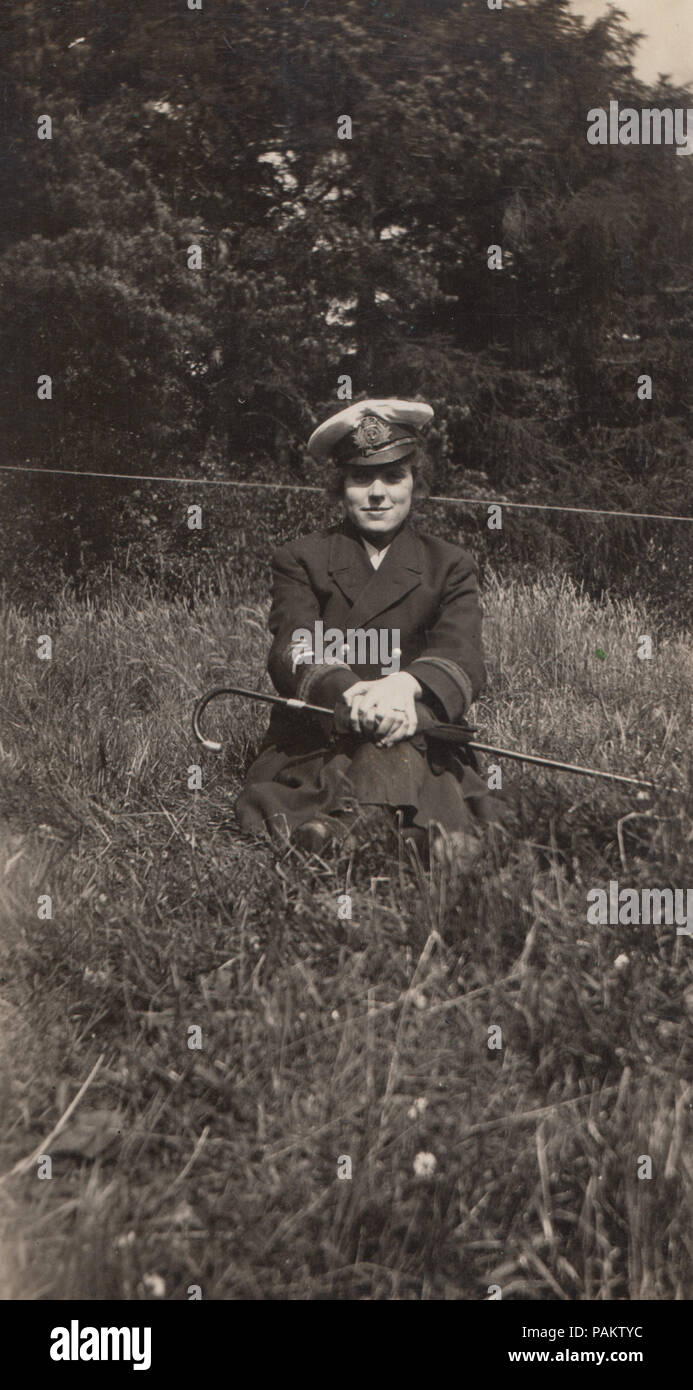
[{"x": 370, "y": 433}]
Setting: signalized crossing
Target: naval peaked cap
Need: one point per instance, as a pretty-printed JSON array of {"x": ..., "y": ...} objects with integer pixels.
[{"x": 370, "y": 433}]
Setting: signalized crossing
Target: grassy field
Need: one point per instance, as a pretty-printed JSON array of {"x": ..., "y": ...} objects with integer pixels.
[{"x": 323, "y": 1038}]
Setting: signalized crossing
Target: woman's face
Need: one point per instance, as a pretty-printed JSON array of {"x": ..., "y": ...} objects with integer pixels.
[{"x": 377, "y": 500}]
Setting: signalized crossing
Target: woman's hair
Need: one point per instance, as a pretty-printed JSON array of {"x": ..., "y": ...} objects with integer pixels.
[{"x": 417, "y": 460}]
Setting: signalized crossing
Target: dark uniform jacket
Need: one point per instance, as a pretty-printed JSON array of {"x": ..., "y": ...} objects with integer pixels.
[
  {"x": 424, "y": 596},
  {"x": 425, "y": 589}
]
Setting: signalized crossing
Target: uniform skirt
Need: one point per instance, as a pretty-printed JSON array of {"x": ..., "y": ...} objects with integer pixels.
[{"x": 432, "y": 784}]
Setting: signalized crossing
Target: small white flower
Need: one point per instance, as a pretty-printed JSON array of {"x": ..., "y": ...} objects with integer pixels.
[
  {"x": 419, "y": 1000},
  {"x": 154, "y": 1285},
  {"x": 95, "y": 977},
  {"x": 123, "y": 1241},
  {"x": 335, "y": 1014},
  {"x": 667, "y": 1030},
  {"x": 182, "y": 1216},
  {"x": 425, "y": 1165},
  {"x": 417, "y": 1108},
  {"x": 622, "y": 962}
]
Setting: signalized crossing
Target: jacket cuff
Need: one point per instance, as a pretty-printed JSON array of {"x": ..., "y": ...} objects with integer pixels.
[
  {"x": 447, "y": 681},
  {"x": 325, "y": 684}
]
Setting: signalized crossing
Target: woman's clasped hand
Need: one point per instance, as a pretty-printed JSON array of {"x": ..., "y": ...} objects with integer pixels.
[{"x": 386, "y": 707}]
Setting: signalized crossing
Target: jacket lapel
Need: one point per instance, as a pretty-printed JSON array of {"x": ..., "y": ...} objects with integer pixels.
[
  {"x": 349, "y": 564},
  {"x": 368, "y": 590}
]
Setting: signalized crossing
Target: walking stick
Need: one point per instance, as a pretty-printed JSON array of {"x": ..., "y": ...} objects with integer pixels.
[{"x": 445, "y": 733}]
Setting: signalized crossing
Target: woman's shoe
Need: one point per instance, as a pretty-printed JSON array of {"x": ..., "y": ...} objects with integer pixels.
[{"x": 313, "y": 836}]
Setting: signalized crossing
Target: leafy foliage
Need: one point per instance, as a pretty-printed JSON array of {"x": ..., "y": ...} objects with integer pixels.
[{"x": 324, "y": 256}]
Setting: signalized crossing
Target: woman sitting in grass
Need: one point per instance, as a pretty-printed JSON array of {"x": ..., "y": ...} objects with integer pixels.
[{"x": 382, "y": 623}]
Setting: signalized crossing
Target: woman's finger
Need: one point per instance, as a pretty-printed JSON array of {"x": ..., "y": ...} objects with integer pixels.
[
  {"x": 370, "y": 711},
  {"x": 401, "y": 726},
  {"x": 386, "y": 725},
  {"x": 356, "y": 691},
  {"x": 355, "y": 716},
  {"x": 397, "y": 723},
  {"x": 358, "y": 716},
  {"x": 395, "y": 736}
]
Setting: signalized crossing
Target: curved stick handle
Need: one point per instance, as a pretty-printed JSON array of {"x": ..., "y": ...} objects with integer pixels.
[
  {"x": 198, "y": 712},
  {"x": 202, "y": 703}
]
